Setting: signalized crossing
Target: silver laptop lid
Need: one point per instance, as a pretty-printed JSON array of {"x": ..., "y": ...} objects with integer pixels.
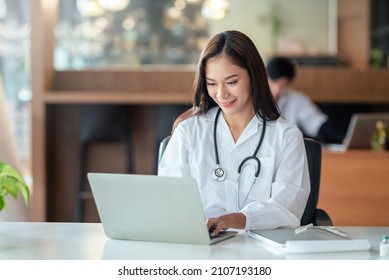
[
  {"x": 361, "y": 128},
  {"x": 149, "y": 208}
]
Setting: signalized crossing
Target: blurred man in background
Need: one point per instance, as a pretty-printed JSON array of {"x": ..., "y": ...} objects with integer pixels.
[{"x": 295, "y": 106}]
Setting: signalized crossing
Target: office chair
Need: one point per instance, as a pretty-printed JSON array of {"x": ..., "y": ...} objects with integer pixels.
[
  {"x": 165, "y": 115},
  {"x": 311, "y": 214},
  {"x": 100, "y": 123},
  {"x": 162, "y": 147}
]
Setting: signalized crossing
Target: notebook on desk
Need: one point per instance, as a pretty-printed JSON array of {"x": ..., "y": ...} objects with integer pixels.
[
  {"x": 312, "y": 240},
  {"x": 151, "y": 208},
  {"x": 359, "y": 132}
]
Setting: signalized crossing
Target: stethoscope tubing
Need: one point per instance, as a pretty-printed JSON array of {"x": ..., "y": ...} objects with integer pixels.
[
  {"x": 254, "y": 156},
  {"x": 219, "y": 174}
]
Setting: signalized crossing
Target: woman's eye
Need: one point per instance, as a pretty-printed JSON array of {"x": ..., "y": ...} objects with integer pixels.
[
  {"x": 210, "y": 84},
  {"x": 232, "y": 82}
]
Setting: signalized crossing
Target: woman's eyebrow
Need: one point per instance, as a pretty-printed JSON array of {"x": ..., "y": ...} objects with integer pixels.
[{"x": 226, "y": 78}]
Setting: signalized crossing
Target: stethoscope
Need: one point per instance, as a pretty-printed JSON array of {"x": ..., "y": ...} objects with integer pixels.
[{"x": 219, "y": 174}]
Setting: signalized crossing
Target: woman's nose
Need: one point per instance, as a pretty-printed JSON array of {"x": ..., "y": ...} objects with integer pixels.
[{"x": 221, "y": 92}]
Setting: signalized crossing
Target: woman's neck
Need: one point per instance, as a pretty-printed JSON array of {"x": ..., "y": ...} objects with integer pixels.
[{"x": 237, "y": 123}]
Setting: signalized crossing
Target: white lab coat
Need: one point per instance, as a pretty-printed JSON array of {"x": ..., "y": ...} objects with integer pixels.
[
  {"x": 280, "y": 193},
  {"x": 298, "y": 109}
]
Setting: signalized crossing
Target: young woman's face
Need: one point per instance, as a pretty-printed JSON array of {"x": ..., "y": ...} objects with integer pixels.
[{"x": 229, "y": 86}]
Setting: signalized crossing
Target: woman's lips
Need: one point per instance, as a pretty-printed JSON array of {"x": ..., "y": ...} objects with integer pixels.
[{"x": 227, "y": 104}]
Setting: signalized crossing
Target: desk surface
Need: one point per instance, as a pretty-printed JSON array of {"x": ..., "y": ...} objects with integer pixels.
[{"x": 86, "y": 241}]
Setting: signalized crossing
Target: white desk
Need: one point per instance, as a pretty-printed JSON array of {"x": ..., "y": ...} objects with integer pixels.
[{"x": 86, "y": 241}]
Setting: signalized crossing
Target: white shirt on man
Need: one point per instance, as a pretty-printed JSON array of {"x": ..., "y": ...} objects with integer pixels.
[{"x": 298, "y": 109}]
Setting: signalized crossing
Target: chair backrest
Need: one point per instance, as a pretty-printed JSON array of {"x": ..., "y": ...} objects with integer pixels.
[
  {"x": 162, "y": 147},
  {"x": 313, "y": 151}
]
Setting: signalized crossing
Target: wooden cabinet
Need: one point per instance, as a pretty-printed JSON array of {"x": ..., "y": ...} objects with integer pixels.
[{"x": 355, "y": 187}]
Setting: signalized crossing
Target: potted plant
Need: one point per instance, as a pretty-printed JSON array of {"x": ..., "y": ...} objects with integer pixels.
[{"x": 11, "y": 183}]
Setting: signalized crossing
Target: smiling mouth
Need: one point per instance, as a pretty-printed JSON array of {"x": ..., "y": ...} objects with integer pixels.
[{"x": 227, "y": 104}]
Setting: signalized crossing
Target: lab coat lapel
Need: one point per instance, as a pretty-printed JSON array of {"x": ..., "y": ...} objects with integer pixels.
[
  {"x": 254, "y": 127},
  {"x": 225, "y": 137}
]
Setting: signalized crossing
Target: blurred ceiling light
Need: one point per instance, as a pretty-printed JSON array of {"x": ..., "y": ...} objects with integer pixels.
[
  {"x": 3, "y": 9},
  {"x": 193, "y": 1},
  {"x": 114, "y": 5},
  {"x": 89, "y": 8},
  {"x": 101, "y": 23},
  {"x": 129, "y": 24},
  {"x": 214, "y": 9},
  {"x": 173, "y": 13},
  {"x": 180, "y": 4}
]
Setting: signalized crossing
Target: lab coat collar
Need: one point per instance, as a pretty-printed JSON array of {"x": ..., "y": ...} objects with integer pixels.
[{"x": 253, "y": 127}]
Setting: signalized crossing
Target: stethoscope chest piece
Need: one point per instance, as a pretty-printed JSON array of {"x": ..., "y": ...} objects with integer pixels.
[{"x": 219, "y": 174}]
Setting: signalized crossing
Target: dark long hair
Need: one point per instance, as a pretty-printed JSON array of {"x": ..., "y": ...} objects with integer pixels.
[{"x": 241, "y": 51}]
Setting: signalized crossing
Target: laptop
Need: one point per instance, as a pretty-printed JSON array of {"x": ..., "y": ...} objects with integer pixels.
[
  {"x": 360, "y": 129},
  {"x": 151, "y": 208}
]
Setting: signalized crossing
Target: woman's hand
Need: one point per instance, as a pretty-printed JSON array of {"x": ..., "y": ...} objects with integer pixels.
[{"x": 234, "y": 220}]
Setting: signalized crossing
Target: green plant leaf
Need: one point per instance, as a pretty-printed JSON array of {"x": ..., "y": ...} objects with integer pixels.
[
  {"x": 2, "y": 203},
  {"x": 7, "y": 170},
  {"x": 8, "y": 186},
  {"x": 25, "y": 191},
  {"x": 11, "y": 182}
]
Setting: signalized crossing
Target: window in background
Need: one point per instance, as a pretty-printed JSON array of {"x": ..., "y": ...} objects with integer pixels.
[
  {"x": 98, "y": 34},
  {"x": 94, "y": 34},
  {"x": 15, "y": 75}
]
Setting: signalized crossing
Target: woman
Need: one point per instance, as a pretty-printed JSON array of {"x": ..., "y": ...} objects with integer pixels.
[{"x": 249, "y": 164}]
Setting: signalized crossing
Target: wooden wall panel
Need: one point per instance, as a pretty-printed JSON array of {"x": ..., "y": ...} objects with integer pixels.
[
  {"x": 343, "y": 85},
  {"x": 172, "y": 79},
  {"x": 353, "y": 32},
  {"x": 43, "y": 18}
]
